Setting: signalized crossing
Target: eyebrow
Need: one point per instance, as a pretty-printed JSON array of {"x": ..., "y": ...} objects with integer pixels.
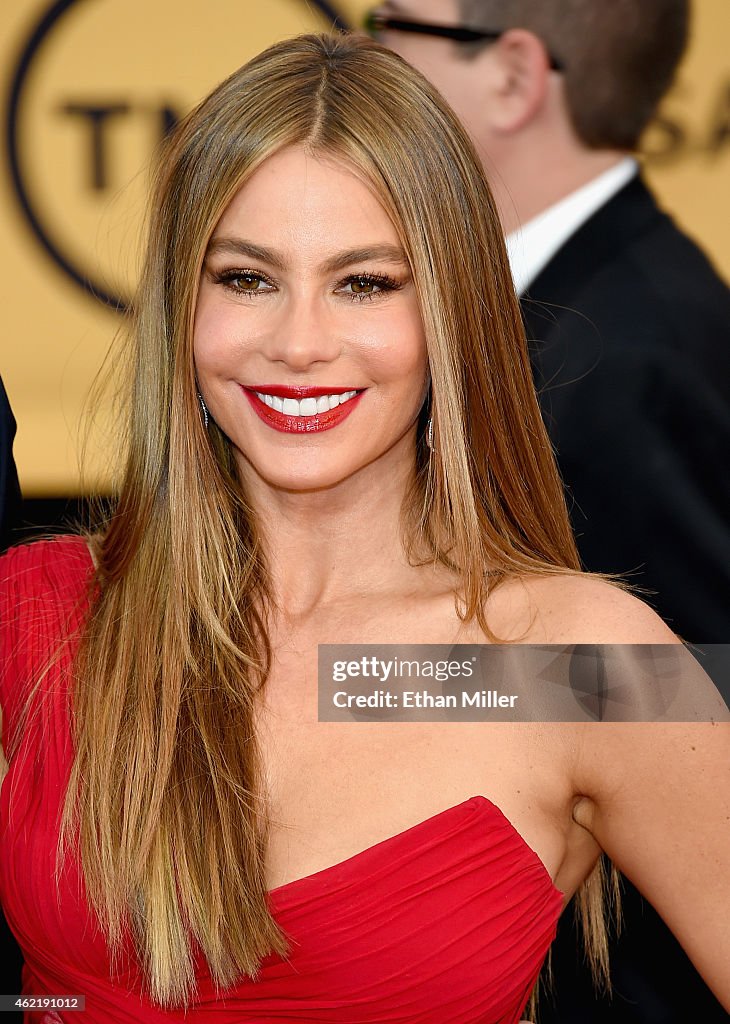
[{"x": 240, "y": 247}]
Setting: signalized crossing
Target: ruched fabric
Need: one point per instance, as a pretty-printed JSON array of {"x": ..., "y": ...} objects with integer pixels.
[{"x": 447, "y": 922}]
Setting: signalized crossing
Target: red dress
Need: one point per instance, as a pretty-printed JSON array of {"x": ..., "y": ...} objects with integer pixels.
[{"x": 445, "y": 923}]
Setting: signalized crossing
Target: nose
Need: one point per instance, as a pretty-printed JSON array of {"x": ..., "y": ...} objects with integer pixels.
[{"x": 303, "y": 333}]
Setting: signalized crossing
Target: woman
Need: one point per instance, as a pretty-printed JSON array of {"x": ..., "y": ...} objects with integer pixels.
[{"x": 332, "y": 437}]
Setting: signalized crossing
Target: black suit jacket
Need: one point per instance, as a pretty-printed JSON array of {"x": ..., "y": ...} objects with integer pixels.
[
  {"x": 9, "y": 489},
  {"x": 629, "y": 327},
  {"x": 629, "y": 331}
]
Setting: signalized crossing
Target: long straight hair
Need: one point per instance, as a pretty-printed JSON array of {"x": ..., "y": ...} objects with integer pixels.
[{"x": 166, "y": 787}]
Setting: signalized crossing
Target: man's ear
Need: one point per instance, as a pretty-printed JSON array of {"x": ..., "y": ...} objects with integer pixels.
[{"x": 519, "y": 80}]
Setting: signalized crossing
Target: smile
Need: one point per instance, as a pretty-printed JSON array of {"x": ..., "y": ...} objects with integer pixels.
[
  {"x": 300, "y": 410},
  {"x": 305, "y": 406}
]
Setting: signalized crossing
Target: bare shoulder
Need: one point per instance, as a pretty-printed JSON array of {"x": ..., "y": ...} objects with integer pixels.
[{"x": 574, "y": 609}]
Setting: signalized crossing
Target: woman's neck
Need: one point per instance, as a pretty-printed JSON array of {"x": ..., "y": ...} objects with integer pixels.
[{"x": 327, "y": 546}]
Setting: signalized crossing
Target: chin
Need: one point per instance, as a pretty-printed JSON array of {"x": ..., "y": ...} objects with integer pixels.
[{"x": 297, "y": 479}]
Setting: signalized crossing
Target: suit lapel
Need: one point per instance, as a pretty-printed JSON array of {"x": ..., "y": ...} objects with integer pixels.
[{"x": 603, "y": 237}]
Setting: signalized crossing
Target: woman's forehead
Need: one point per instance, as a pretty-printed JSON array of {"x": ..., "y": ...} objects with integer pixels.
[{"x": 302, "y": 201}]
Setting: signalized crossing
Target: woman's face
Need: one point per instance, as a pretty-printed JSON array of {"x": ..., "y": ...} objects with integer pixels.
[{"x": 309, "y": 348}]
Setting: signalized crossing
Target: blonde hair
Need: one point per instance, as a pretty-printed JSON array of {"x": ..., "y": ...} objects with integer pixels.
[{"x": 166, "y": 783}]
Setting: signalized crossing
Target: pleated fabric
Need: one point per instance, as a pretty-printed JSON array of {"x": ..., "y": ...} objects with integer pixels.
[{"x": 445, "y": 923}]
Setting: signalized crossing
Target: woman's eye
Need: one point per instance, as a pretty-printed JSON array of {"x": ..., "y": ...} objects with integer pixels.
[
  {"x": 364, "y": 286},
  {"x": 247, "y": 282},
  {"x": 244, "y": 282}
]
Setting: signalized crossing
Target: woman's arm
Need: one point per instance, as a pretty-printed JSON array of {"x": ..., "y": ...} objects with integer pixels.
[
  {"x": 657, "y": 800},
  {"x": 654, "y": 795}
]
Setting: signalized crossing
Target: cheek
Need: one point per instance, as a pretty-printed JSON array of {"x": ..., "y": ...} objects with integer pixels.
[
  {"x": 217, "y": 340},
  {"x": 398, "y": 355},
  {"x": 407, "y": 349}
]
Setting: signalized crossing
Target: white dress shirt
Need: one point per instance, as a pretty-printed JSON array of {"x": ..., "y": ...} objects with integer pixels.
[{"x": 531, "y": 247}]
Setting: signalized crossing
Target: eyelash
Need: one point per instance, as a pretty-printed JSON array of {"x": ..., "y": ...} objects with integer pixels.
[{"x": 384, "y": 282}]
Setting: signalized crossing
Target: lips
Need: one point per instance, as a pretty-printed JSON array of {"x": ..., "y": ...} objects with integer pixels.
[{"x": 302, "y": 410}]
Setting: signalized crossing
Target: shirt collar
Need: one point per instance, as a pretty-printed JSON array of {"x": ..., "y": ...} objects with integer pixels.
[{"x": 531, "y": 247}]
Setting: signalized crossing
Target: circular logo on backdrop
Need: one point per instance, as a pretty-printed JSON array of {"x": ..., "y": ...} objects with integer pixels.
[{"x": 97, "y": 85}]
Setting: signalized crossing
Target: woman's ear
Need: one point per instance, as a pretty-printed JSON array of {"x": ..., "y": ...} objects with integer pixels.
[{"x": 519, "y": 79}]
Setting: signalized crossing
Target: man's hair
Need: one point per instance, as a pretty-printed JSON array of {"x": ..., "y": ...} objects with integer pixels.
[{"x": 620, "y": 56}]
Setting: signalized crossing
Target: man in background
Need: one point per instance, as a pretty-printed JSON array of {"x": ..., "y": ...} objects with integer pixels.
[{"x": 628, "y": 324}]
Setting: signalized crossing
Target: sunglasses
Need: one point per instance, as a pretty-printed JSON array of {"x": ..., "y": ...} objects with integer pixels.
[{"x": 374, "y": 23}]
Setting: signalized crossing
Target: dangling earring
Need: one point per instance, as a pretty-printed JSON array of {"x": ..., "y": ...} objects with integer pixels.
[
  {"x": 429, "y": 434},
  {"x": 204, "y": 410}
]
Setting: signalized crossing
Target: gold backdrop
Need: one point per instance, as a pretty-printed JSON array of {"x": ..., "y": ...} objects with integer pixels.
[{"x": 90, "y": 86}]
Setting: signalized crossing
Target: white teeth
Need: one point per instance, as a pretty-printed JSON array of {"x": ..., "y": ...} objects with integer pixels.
[{"x": 306, "y": 406}]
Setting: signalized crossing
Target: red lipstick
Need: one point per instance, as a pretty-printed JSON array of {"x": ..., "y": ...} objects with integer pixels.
[{"x": 287, "y": 424}]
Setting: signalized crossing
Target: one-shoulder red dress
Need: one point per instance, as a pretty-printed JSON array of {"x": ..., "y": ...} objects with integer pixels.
[{"x": 445, "y": 923}]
